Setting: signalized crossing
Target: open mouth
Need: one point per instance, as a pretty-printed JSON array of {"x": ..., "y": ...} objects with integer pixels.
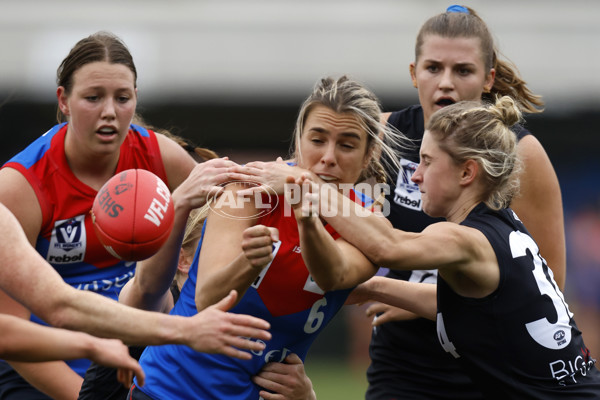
[
  {"x": 444, "y": 102},
  {"x": 107, "y": 131}
]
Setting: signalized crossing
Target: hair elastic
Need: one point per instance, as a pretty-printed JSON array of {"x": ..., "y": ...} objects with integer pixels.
[{"x": 458, "y": 9}]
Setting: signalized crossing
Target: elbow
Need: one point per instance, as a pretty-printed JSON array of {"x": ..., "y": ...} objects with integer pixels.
[
  {"x": 59, "y": 316},
  {"x": 327, "y": 286},
  {"x": 380, "y": 252},
  {"x": 60, "y": 310}
]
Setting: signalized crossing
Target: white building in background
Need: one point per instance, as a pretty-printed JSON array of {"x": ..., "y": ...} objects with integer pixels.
[{"x": 247, "y": 50}]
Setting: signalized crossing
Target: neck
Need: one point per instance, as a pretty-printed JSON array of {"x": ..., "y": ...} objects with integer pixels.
[
  {"x": 467, "y": 201},
  {"x": 92, "y": 169}
]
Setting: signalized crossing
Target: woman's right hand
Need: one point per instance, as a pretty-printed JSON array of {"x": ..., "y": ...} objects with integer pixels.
[
  {"x": 257, "y": 245},
  {"x": 207, "y": 180},
  {"x": 270, "y": 176}
]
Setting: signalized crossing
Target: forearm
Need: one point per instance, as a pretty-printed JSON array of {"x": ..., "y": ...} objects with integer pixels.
[
  {"x": 55, "y": 379},
  {"x": 419, "y": 298},
  {"x": 238, "y": 275},
  {"x": 371, "y": 234},
  {"x": 153, "y": 277},
  {"x": 30, "y": 342},
  {"x": 321, "y": 254},
  {"x": 103, "y": 317}
]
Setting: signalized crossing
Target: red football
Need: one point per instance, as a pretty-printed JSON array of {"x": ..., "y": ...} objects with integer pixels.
[{"x": 133, "y": 214}]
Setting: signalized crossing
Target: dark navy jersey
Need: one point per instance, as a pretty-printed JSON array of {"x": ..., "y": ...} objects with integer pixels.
[
  {"x": 406, "y": 359},
  {"x": 519, "y": 342}
]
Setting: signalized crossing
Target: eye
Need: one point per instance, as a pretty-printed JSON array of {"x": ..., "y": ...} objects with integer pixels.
[
  {"x": 123, "y": 99},
  {"x": 348, "y": 146},
  {"x": 464, "y": 71},
  {"x": 432, "y": 68},
  {"x": 91, "y": 98}
]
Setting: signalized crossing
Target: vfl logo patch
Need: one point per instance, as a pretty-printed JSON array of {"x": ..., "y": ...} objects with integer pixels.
[
  {"x": 407, "y": 193},
  {"x": 68, "y": 241}
]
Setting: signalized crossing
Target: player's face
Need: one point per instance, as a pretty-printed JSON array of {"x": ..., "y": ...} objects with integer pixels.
[
  {"x": 333, "y": 146},
  {"x": 449, "y": 70},
  {"x": 100, "y": 106},
  {"x": 437, "y": 176}
]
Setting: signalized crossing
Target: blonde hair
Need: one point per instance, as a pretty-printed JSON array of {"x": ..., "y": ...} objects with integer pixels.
[
  {"x": 344, "y": 95},
  {"x": 193, "y": 229},
  {"x": 469, "y": 130},
  {"x": 470, "y": 25}
]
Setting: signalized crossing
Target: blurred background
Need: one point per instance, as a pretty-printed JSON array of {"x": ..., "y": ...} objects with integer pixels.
[{"x": 230, "y": 75}]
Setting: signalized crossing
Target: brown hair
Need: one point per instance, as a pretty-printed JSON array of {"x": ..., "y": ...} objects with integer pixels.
[
  {"x": 468, "y": 25},
  {"x": 101, "y": 46}
]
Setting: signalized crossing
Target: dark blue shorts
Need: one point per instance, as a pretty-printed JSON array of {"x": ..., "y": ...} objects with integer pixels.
[
  {"x": 13, "y": 387},
  {"x": 137, "y": 394}
]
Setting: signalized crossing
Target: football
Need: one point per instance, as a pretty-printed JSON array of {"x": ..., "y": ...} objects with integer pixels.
[{"x": 133, "y": 214}]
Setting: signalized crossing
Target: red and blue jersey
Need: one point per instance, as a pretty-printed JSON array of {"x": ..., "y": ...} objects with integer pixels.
[
  {"x": 67, "y": 239},
  {"x": 284, "y": 294}
]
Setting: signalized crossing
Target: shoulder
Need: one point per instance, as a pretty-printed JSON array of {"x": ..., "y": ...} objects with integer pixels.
[
  {"x": 178, "y": 163},
  {"x": 534, "y": 158},
  {"x": 21, "y": 198},
  {"x": 408, "y": 120}
]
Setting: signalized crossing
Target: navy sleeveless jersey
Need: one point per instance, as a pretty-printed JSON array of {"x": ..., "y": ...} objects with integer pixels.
[
  {"x": 519, "y": 342},
  {"x": 406, "y": 359}
]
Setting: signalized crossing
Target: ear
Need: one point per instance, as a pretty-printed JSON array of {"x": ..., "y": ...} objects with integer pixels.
[
  {"x": 183, "y": 265},
  {"x": 469, "y": 172},
  {"x": 62, "y": 97},
  {"x": 413, "y": 76},
  {"x": 489, "y": 81}
]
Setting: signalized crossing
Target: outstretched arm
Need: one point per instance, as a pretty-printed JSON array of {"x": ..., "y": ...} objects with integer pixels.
[
  {"x": 27, "y": 278},
  {"x": 26, "y": 341},
  {"x": 149, "y": 289},
  {"x": 418, "y": 298}
]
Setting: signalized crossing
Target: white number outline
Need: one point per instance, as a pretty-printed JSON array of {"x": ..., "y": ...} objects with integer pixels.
[
  {"x": 447, "y": 345},
  {"x": 542, "y": 331},
  {"x": 315, "y": 317}
]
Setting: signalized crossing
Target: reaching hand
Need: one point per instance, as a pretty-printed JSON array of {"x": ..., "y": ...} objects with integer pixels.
[
  {"x": 269, "y": 176},
  {"x": 205, "y": 181},
  {"x": 214, "y": 330},
  {"x": 302, "y": 194},
  {"x": 113, "y": 353},
  {"x": 285, "y": 381}
]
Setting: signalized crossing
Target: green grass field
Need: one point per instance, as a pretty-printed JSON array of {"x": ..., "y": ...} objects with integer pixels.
[{"x": 334, "y": 380}]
